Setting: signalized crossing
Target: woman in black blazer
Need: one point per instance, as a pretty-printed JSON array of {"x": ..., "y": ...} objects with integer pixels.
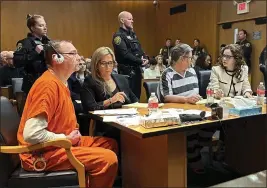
[{"x": 102, "y": 89}]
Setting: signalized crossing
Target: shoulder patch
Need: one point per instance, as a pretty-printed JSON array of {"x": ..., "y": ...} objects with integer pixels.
[
  {"x": 117, "y": 40},
  {"x": 19, "y": 46},
  {"x": 247, "y": 44}
]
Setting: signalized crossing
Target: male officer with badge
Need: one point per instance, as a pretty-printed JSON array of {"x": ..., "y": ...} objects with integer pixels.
[
  {"x": 165, "y": 51},
  {"x": 128, "y": 52},
  {"x": 29, "y": 53},
  {"x": 246, "y": 46}
]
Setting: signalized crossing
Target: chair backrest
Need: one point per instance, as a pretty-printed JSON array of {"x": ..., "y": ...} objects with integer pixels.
[
  {"x": 8, "y": 137},
  {"x": 17, "y": 84},
  {"x": 150, "y": 86},
  {"x": 203, "y": 81},
  {"x": 126, "y": 77}
]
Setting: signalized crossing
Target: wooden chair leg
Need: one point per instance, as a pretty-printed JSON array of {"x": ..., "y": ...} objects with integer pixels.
[{"x": 92, "y": 127}]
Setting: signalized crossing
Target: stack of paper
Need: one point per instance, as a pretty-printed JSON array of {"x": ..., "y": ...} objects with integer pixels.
[{"x": 128, "y": 111}]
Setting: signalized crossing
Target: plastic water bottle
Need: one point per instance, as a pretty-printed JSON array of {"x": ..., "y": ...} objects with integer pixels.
[
  {"x": 260, "y": 94},
  {"x": 153, "y": 103},
  {"x": 210, "y": 97}
]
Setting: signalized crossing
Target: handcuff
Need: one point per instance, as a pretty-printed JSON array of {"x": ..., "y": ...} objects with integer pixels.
[{"x": 39, "y": 163}]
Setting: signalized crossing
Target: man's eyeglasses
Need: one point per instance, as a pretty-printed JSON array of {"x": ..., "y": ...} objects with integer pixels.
[
  {"x": 82, "y": 64},
  {"x": 227, "y": 56},
  {"x": 70, "y": 53},
  {"x": 106, "y": 64}
]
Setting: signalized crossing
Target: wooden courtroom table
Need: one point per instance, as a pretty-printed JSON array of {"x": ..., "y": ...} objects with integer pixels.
[{"x": 157, "y": 157}]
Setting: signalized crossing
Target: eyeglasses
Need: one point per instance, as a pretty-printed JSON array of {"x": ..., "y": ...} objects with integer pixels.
[
  {"x": 82, "y": 64},
  {"x": 106, "y": 64},
  {"x": 70, "y": 53},
  {"x": 227, "y": 56}
]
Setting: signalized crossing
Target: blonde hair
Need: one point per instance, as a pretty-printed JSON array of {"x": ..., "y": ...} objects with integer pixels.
[
  {"x": 96, "y": 58},
  {"x": 32, "y": 20}
]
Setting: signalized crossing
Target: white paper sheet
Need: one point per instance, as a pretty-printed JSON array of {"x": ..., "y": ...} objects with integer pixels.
[
  {"x": 129, "y": 111},
  {"x": 110, "y": 118}
]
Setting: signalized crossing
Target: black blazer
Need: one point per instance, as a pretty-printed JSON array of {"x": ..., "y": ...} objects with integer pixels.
[{"x": 93, "y": 96}]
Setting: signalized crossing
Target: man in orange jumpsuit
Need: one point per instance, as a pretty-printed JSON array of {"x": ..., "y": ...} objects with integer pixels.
[{"x": 49, "y": 114}]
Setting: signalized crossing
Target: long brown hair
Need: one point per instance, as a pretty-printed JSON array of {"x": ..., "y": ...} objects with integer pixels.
[
  {"x": 238, "y": 56},
  {"x": 96, "y": 58}
]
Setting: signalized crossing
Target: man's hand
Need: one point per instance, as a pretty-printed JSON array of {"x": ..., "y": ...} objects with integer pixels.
[{"x": 74, "y": 137}]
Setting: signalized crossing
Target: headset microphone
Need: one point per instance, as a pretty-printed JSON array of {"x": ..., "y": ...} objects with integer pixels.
[{"x": 59, "y": 58}]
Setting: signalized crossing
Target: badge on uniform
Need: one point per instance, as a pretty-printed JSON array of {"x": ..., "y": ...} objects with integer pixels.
[
  {"x": 19, "y": 46},
  {"x": 247, "y": 45},
  {"x": 117, "y": 40}
]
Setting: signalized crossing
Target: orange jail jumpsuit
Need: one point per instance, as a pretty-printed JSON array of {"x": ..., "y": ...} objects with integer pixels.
[{"x": 51, "y": 97}]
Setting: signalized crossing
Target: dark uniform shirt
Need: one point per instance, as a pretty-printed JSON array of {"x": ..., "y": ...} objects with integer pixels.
[
  {"x": 165, "y": 52},
  {"x": 198, "y": 50},
  {"x": 263, "y": 56},
  {"x": 127, "y": 48},
  {"x": 128, "y": 52},
  {"x": 33, "y": 63},
  {"x": 247, "y": 49}
]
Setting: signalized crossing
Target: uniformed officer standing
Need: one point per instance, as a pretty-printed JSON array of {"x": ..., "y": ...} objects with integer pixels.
[
  {"x": 128, "y": 52},
  {"x": 30, "y": 51},
  {"x": 165, "y": 51},
  {"x": 246, "y": 46}
]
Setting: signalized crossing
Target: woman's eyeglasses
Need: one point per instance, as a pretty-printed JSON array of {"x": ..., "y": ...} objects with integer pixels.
[
  {"x": 227, "y": 56},
  {"x": 106, "y": 64}
]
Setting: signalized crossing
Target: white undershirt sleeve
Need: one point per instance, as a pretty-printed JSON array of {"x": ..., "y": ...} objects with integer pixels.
[{"x": 35, "y": 131}]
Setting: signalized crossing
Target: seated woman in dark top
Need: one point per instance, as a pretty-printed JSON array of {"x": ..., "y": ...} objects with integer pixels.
[
  {"x": 203, "y": 62},
  {"x": 101, "y": 89},
  {"x": 104, "y": 90},
  {"x": 75, "y": 83}
]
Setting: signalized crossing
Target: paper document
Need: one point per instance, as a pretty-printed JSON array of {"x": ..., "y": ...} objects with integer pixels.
[
  {"x": 204, "y": 101},
  {"x": 109, "y": 118},
  {"x": 127, "y": 111},
  {"x": 140, "y": 105}
]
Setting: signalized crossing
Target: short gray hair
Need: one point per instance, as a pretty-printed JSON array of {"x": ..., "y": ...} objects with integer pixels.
[{"x": 179, "y": 51}]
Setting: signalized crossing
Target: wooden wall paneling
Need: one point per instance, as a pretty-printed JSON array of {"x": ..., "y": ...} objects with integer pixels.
[
  {"x": 199, "y": 21},
  {"x": 89, "y": 24},
  {"x": 228, "y": 11}
]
